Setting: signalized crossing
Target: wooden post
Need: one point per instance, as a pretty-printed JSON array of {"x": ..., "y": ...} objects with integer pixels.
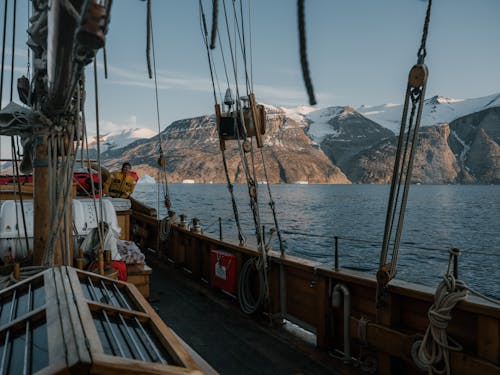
[
  {"x": 100, "y": 261},
  {"x": 17, "y": 271},
  {"x": 256, "y": 120},
  {"x": 41, "y": 202},
  {"x": 217, "y": 121}
]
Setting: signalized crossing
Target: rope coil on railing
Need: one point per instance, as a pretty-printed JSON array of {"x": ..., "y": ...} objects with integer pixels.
[
  {"x": 248, "y": 302},
  {"x": 433, "y": 350}
]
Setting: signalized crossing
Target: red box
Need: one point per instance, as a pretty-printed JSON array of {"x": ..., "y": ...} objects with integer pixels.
[{"x": 223, "y": 272}]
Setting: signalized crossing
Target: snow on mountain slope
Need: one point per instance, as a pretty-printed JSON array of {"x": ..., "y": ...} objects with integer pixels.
[
  {"x": 117, "y": 139},
  {"x": 437, "y": 110},
  {"x": 319, "y": 120}
]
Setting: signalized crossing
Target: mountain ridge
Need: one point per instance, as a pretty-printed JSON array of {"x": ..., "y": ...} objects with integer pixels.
[{"x": 336, "y": 144}]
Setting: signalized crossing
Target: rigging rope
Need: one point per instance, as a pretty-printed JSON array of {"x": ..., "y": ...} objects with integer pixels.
[
  {"x": 3, "y": 49},
  {"x": 303, "y": 52},
  {"x": 433, "y": 349},
  {"x": 241, "y": 236},
  {"x": 161, "y": 161},
  {"x": 273, "y": 206},
  {"x": 215, "y": 14},
  {"x": 241, "y": 39},
  {"x": 251, "y": 183},
  {"x": 403, "y": 165},
  {"x": 98, "y": 135},
  {"x": 13, "y": 48},
  {"x": 148, "y": 37}
]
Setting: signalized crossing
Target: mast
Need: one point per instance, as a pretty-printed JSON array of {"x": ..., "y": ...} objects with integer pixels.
[{"x": 64, "y": 38}]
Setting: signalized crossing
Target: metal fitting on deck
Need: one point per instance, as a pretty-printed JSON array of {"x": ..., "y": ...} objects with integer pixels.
[
  {"x": 196, "y": 228},
  {"x": 183, "y": 222},
  {"x": 337, "y": 292}
]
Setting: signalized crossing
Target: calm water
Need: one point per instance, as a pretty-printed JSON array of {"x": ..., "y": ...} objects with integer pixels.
[{"x": 438, "y": 217}]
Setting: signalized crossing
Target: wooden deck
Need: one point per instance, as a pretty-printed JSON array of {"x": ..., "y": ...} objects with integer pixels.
[{"x": 230, "y": 341}]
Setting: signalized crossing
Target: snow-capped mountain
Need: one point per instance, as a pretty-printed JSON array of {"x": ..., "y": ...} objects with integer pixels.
[
  {"x": 122, "y": 138},
  {"x": 437, "y": 110}
]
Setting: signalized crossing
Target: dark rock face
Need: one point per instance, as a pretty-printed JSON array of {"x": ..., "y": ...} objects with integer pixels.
[
  {"x": 352, "y": 133},
  {"x": 191, "y": 148},
  {"x": 475, "y": 142},
  {"x": 355, "y": 149}
]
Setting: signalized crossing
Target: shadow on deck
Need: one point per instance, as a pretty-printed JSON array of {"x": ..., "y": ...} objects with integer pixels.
[{"x": 230, "y": 341}]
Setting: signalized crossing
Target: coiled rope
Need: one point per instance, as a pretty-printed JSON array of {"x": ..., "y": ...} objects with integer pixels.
[
  {"x": 24, "y": 273},
  {"x": 248, "y": 302},
  {"x": 432, "y": 352}
]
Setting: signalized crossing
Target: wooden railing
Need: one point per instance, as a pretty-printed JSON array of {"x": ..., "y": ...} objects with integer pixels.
[{"x": 387, "y": 334}]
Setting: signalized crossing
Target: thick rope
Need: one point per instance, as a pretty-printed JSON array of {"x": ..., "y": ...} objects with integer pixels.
[
  {"x": 215, "y": 14},
  {"x": 148, "y": 38},
  {"x": 432, "y": 352},
  {"x": 204, "y": 33},
  {"x": 248, "y": 303},
  {"x": 251, "y": 183},
  {"x": 303, "y": 52},
  {"x": 403, "y": 166},
  {"x": 422, "y": 51}
]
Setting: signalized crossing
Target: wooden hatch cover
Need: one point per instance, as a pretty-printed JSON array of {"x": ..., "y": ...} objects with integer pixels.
[{"x": 64, "y": 320}]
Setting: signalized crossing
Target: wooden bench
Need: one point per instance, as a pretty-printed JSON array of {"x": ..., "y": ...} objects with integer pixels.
[{"x": 139, "y": 275}]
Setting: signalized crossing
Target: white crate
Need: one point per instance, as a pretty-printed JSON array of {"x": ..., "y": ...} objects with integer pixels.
[{"x": 85, "y": 218}]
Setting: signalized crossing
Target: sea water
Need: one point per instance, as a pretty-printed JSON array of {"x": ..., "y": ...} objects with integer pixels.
[{"x": 437, "y": 218}]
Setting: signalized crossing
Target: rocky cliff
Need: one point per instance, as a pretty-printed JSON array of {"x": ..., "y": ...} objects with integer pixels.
[
  {"x": 191, "y": 148},
  {"x": 334, "y": 145}
]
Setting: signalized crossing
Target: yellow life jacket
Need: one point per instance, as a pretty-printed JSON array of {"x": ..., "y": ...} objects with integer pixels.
[{"x": 120, "y": 185}]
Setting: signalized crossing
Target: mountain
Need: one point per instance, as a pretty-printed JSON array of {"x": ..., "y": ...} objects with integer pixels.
[
  {"x": 118, "y": 139},
  {"x": 342, "y": 133},
  {"x": 437, "y": 110},
  {"x": 191, "y": 148},
  {"x": 458, "y": 143}
]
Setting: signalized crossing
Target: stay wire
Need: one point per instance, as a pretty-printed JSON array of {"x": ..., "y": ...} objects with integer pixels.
[
  {"x": 14, "y": 17},
  {"x": 303, "y": 52},
  {"x": 28, "y": 66},
  {"x": 241, "y": 40},
  {"x": 230, "y": 187},
  {"x": 204, "y": 33},
  {"x": 272, "y": 205},
  {"x": 98, "y": 135},
  {"x": 250, "y": 44},
  {"x": 21, "y": 200},
  {"x": 166, "y": 191},
  {"x": 250, "y": 181},
  {"x": 6, "y": 8}
]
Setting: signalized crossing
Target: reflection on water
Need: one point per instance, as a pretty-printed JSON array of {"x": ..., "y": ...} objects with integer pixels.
[{"x": 438, "y": 217}]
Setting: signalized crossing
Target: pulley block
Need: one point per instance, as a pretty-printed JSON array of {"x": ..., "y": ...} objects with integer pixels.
[
  {"x": 418, "y": 75},
  {"x": 162, "y": 162},
  {"x": 247, "y": 146}
]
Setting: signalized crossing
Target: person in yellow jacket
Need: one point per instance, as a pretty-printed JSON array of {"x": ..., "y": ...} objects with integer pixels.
[{"x": 120, "y": 184}]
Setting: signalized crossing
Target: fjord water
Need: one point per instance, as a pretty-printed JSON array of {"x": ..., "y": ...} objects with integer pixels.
[{"x": 437, "y": 217}]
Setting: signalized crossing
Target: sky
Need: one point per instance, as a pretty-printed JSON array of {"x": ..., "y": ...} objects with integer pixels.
[{"x": 359, "y": 53}]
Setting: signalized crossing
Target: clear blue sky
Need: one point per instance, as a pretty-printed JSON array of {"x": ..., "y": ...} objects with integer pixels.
[{"x": 360, "y": 52}]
